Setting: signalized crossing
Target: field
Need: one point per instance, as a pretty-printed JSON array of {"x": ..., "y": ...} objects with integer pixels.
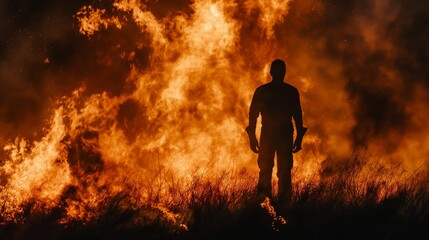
[{"x": 338, "y": 205}]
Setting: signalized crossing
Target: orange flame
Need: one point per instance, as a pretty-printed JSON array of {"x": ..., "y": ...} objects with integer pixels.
[
  {"x": 37, "y": 174},
  {"x": 92, "y": 20}
]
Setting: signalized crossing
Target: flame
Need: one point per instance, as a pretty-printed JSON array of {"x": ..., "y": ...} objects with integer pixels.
[
  {"x": 144, "y": 19},
  {"x": 276, "y": 219},
  {"x": 270, "y": 13},
  {"x": 92, "y": 20},
  {"x": 38, "y": 174}
]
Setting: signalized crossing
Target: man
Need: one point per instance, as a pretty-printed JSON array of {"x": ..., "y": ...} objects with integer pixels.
[{"x": 278, "y": 103}]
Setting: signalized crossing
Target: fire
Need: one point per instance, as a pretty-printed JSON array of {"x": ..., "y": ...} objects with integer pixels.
[
  {"x": 92, "y": 20},
  {"x": 271, "y": 13},
  {"x": 276, "y": 219},
  {"x": 38, "y": 174},
  {"x": 182, "y": 116}
]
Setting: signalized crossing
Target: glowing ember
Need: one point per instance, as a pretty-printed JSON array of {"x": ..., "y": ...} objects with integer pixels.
[{"x": 277, "y": 219}]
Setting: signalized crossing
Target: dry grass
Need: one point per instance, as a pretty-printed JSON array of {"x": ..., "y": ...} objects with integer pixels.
[{"x": 346, "y": 204}]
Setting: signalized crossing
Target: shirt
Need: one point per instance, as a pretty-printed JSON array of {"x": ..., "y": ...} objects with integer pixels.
[{"x": 278, "y": 103}]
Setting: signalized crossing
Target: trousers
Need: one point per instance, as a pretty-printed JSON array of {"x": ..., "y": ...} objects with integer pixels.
[{"x": 274, "y": 141}]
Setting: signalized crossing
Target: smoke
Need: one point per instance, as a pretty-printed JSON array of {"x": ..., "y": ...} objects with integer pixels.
[
  {"x": 31, "y": 32},
  {"x": 385, "y": 66},
  {"x": 373, "y": 53},
  {"x": 43, "y": 57}
]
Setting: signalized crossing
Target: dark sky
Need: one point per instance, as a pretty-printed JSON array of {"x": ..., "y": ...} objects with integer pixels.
[
  {"x": 30, "y": 32},
  {"x": 381, "y": 48}
]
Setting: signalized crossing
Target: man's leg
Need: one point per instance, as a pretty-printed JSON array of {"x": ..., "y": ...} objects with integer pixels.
[
  {"x": 284, "y": 167},
  {"x": 266, "y": 164}
]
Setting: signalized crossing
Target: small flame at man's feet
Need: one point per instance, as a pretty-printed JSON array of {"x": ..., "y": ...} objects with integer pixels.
[{"x": 277, "y": 219}]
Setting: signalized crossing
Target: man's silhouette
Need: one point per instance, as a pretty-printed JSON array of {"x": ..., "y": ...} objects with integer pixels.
[{"x": 278, "y": 103}]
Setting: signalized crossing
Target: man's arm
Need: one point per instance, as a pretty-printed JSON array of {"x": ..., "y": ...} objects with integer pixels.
[
  {"x": 253, "y": 116},
  {"x": 300, "y": 129},
  {"x": 297, "y": 112}
]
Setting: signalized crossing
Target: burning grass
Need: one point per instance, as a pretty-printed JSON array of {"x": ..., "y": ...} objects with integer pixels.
[{"x": 341, "y": 205}]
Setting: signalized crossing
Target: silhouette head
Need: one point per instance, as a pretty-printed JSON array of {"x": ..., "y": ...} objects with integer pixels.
[{"x": 278, "y": 69}]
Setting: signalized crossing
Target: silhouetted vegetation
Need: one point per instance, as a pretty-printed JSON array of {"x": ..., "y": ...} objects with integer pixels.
[{"x": 339, "y": 206}]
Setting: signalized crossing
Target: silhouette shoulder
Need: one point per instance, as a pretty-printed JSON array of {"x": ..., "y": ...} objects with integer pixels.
[
  {"x": 263, "y": 87},
  {"x": 291, "y": 88},
  {"x": 270, "y": 87}
]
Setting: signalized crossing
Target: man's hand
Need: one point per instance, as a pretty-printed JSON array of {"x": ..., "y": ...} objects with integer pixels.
[
  {"x": 254, "y": 145},
  {"x": 296, "y": 147},
  {"x": 298, "y": 141}
]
